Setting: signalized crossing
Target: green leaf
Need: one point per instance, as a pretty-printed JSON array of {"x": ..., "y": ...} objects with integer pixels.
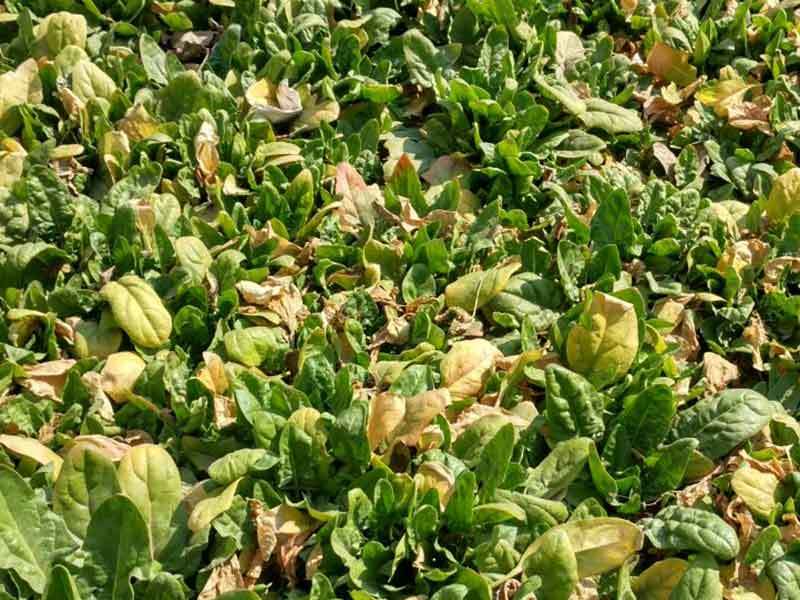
[
  {"x": 647, "y": 417},
  {"x": 61, "y": 585},
  {"x": 494, "y": 461},
  {"x": 138, "y": 310},
  {"x": 554, "y": 561},
  {"x": 154, "y": 59},
  {"x": 693, "y": 529},
  {"x": 150, "y": 478},
  {"x": 423, "y": 59},
  {"x": 87, "y": 479},
  {"x": 701, "y": 580},
  {"x": 612, "y": 223},
  {"x": 165, "y": 587},
  {"x": 559, "y": 468},
  {"x": 563, "y": 93},
  {"x": 212, "y": 506},
  {"x": 31, "y": 536},
  {"x": 239, "y": 464},
  {"x": 724, "y": 421},
  {"x": 117, "y": 546},
  {"x": 785, "y": 574},
  {"x": 529, "y": 295},
  {"x": 573, "y": 407},
  {"x": 601, "y": 114},
  {"x": 666, "y": 467}
]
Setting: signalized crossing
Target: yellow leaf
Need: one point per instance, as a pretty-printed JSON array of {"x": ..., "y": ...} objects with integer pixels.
[
  {"x": 474, "y": 290},
  {"x": 33, "y": 449},
  {"x": 467, "y": 366},
  {"x": 120, "y": 373},
  {"x": 784, "y": 197},
  {"x": 603, "y": 343},
  {"x": 656, "y": 582},
  {"x": 670, "y": 65},
  {"x": 756, "y": 488}
]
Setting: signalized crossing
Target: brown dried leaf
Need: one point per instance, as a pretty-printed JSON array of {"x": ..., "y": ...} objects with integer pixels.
[
  {"x": 775, "y": 268},
  {"x": 47, "y": 379},
  {"x": 280, "y": 297},
  {"x": 225, "y": 577},
  {"x": 359, "y": 202},
  {"x": 718, "y": 372}
]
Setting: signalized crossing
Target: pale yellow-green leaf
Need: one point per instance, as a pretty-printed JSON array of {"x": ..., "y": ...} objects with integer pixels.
[
  {"x": 149, "y": 477},
  {"x": 19, "y": 86},
  {"x": 435, "y": 476},
  {"x": 68, "y": 58},
  {"x": 87, "y": 479},
  {"x": 90, "y": 82},
  {"x": 476, "y": 289},
  {"x": 784, "y": 197},
  {"x": 603, "y": 344},
  {"x": 602, "y": 544},
  {"x": 137, "y": 123},
  {"x": 213, "y": 505},
  {"x": 33, "y": 449},
  {"x": 656, "y": 582},
  {"x": 138, "y": 310},
  {"x": 756, "y": 488},
  {"x": 12, "y": 162},
  {"x": 723, "y": 94},
  {"x": 420, "y": 410},
  {"x": 193, "y": 256},
  {"x": 467, "y": 366},
  {"x": 97, "y": 339},
  {"x": 120, "y": 373},
  {"x": 57, "y": 31},
  {"x": 569, "y": 48}
]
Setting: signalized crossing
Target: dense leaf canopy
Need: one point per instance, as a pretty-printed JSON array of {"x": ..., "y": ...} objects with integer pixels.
[{"x": 446, "y": 299}]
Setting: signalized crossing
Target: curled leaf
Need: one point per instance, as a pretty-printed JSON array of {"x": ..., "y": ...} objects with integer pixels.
[
  {"x": 275, "y": 103},
  {"x": 33, "y": 449}
]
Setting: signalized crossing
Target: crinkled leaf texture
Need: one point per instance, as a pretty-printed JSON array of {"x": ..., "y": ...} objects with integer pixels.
[
  {"x": 693, "y": 529},
  {"x": 724, "y": 421}
]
